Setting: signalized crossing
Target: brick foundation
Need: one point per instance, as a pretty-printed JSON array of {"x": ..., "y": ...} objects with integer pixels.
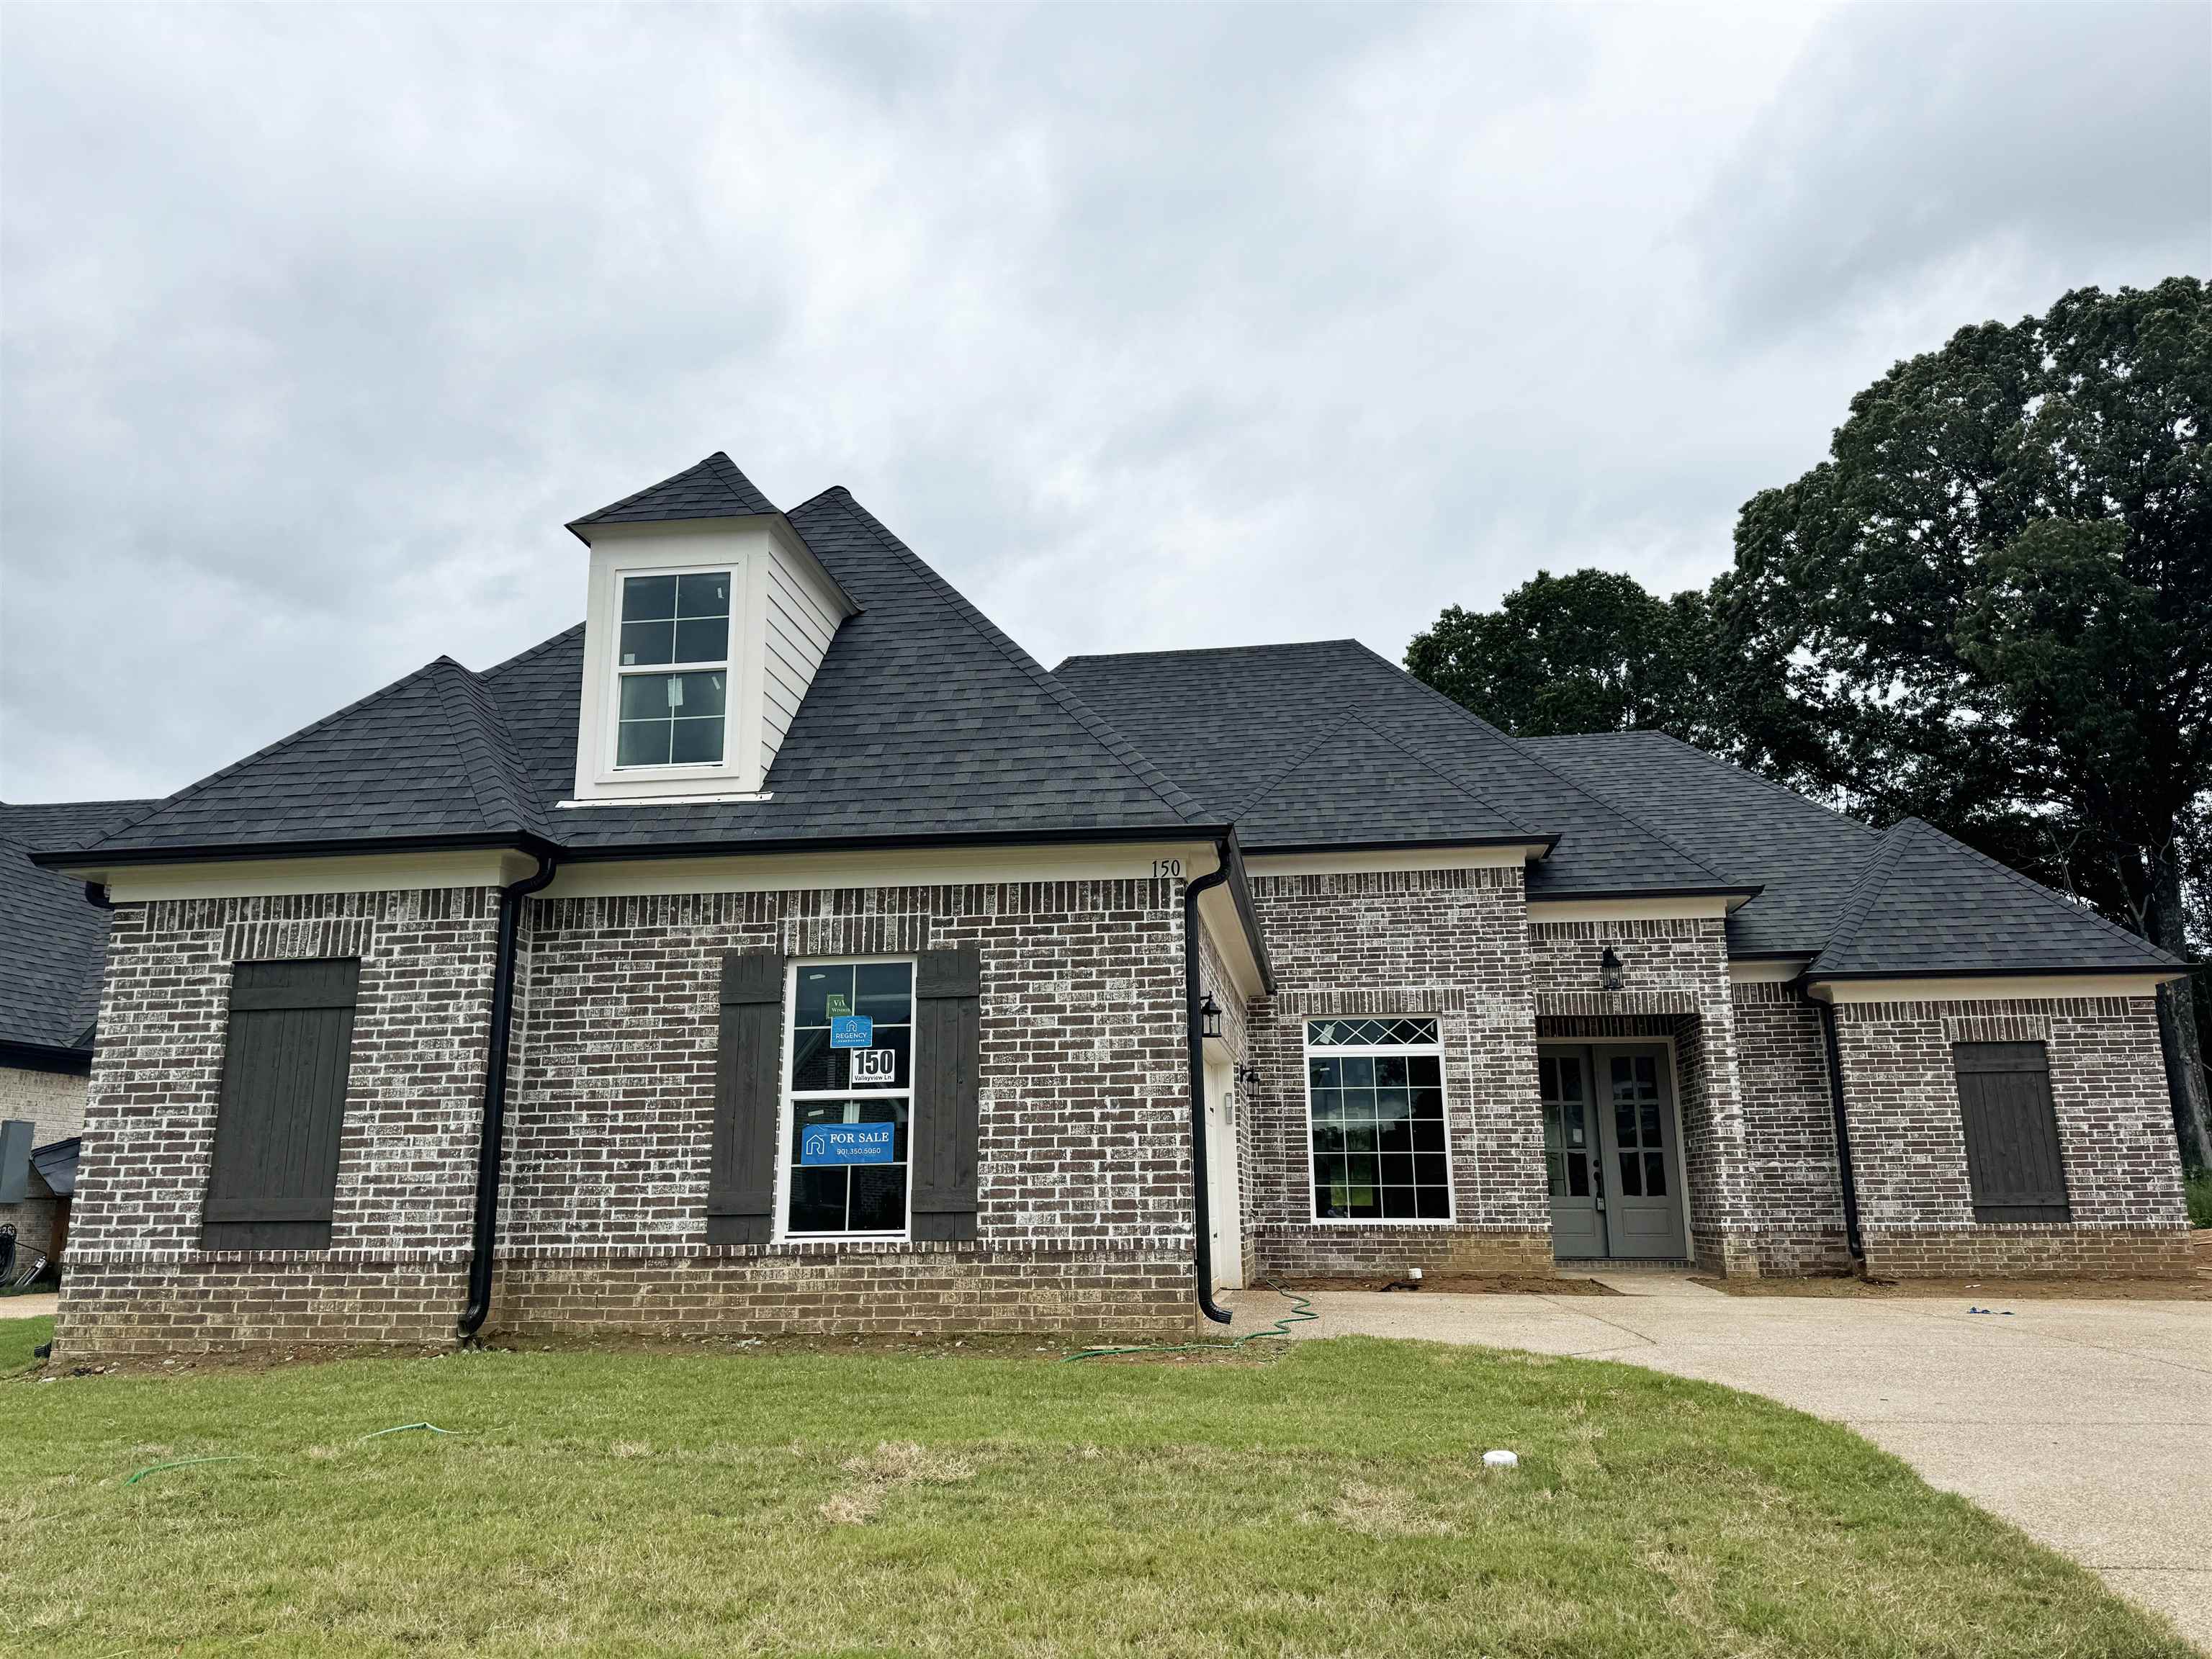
[
  {"x": 848, "y": 1291},
  {"x": 1326, "y": 1251},
  {"x": 2020, "y": 1250},
  {"x": 116, "y": 1308}
]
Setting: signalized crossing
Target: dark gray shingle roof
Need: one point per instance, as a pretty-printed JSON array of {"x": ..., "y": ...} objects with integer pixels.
[
  {"x": 1228, "y": 725},
  {"x": 924, "y": 721},
  {"x": 1927, "y": 904},
  {"x": 53, "y": 941},
  {"x": 426, "y": 758},
  {"x": 714, "y": 488},
  {"x": 1804, "y": 857}
]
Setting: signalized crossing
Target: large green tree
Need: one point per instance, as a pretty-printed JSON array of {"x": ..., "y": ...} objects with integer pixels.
[{"x": 1990, "y": 607}]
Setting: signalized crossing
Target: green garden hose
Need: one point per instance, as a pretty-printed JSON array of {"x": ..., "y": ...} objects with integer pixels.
[{"x": 1297, "y": 1316}]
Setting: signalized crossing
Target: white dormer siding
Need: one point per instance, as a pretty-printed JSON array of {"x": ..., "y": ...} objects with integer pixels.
[
  {"x": 783, "y": 609},
  {"x": 803, "y": 614}
]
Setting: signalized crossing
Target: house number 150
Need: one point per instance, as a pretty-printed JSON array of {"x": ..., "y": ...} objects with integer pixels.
[{"x": 1168, "y": 869}]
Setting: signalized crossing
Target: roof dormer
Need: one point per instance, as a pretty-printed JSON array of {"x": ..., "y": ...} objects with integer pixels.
[{"x": 706, "y": 619}]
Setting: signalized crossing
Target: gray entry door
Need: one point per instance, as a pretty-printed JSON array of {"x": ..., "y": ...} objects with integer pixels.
[
  {"x": 1571, "y": 1151},
  {"x": 1636, "y": 1129}
]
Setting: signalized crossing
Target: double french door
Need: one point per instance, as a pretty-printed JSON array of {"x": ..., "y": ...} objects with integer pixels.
[{"x": 1609, "y": 1151}]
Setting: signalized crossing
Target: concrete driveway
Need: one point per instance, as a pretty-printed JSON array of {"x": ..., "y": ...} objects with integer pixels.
[{"x": 2088, "y": 1424}]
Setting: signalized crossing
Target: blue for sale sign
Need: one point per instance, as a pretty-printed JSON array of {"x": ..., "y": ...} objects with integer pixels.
[
  {"x": 835, "y": 1144},
  {"x": 852, "y": 1031}
]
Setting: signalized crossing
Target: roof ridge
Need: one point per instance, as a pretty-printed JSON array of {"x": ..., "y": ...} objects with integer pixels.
[
  {"x": 1125, "y": 753},
  {"x": 1869, "y": 884},
  {"x": 1534, "y": 759},
  {"x": 1203, "y": 651},
  {"x": 526, "y": 654},
  {"x": 490, "y": 732},
  {"x": 1238, "y": 809},
  {"x": 266, "y": 749}
]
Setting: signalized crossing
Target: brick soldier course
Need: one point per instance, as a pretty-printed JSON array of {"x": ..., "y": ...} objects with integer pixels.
[{"x": 898, "y": 783}]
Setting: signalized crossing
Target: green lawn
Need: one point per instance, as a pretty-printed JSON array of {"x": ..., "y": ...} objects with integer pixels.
[{"x": 1328, "y": 1501}]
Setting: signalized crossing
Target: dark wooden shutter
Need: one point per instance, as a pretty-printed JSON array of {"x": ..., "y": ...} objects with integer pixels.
[
  {"x": 2012, "y": 1132},
  {"x": 947, "y": 1047},
  {"x": 285, "y": 1059},
  {"x": 747, "y": 1096}
]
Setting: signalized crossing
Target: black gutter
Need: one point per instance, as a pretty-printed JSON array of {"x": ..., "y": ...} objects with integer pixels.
[
  {"x": 1194, "y": 1041},
  {"x": 538, "y": 847},
  {"x": 491, "y": 1141},
  {"x": 1288, "y": 849},
  {"x": 59, "y": 1057},
  {"x": 1851, "y": 1239}
]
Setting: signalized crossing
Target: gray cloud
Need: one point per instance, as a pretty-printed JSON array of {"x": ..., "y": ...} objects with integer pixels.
[{"x": 1149, "y": 326}]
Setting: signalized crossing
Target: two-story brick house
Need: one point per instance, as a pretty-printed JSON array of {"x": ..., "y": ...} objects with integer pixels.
[{"x": 782, "y": 949}]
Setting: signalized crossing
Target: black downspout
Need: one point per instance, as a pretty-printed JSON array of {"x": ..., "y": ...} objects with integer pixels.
[
  {"x": 96, "y": 892},
  {"x": 1851, "y": 1239},
  {"x": 490, "y": 1144},
  {"x": 1194, "y": 1039}
]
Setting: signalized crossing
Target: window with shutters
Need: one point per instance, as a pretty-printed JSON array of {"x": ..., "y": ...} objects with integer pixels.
[
  {"x": 2013, "y": 1161},
  {"x": 286, "y": 1054},
  {"x": 846, "y": 1099}
]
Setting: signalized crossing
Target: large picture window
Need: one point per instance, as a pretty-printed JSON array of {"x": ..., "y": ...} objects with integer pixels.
[
  {"x": 673, "y": 669},
  {"x": 848, "y": 1099},
  {"x": 1375, "y": 1107}
]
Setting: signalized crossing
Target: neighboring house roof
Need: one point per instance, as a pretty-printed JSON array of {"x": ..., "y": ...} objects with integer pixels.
[
  {"x": 1232, "y": 725},
  {"x": 1926, "y": 904},
  {"x": 714, "y": 488},
  {"x": 1804, "y": 858},
  {"x": 53, "y": 940}
]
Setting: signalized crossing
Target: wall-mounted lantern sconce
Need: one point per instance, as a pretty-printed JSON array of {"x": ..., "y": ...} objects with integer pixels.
[
  {"x": 1608, "y": 969},
  {"x": 1248, "y": 1075},
  {"x": 1209, "y": 1018}
]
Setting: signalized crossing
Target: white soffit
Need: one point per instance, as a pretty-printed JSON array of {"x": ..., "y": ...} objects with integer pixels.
[
  {"x": 1354, "y": 861},
  {"x": 368, "y": 872},
  {"x": 1709, "y": 906},
  {"x": 1992, "y": 987},
  {"x": 1766, "y": 972},
  {"x": 895, "y": 866}
]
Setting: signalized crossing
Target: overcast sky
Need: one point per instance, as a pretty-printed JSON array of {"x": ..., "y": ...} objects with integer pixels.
[{"x": 1148, "y": 327}]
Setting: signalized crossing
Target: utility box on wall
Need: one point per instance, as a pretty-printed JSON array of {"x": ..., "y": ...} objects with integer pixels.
[{"x": 14, "y": 1161}]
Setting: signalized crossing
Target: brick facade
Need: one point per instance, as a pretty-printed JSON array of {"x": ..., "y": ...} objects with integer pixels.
[
  {"x": 53, "y": 1104},
  {"x": 1674, "y": 970},
  {"x": 2115, "y": 1132},
  {"x": 1451, "y": 942},
  {"x": 406, "y": 1153},
  {"x": 1789, "y": 1131},
  {"x": 1084, "y": 1208}
]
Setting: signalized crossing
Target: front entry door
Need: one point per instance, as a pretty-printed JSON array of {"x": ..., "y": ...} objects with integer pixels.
[
  {"x": 1635, "y": 1123},
  {"x": 1609, "y": 1151},
  {"x": 1570, "y": 1153}
]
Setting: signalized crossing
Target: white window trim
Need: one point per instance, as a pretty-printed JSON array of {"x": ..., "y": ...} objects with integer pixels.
[
  {"x": 733, "y": 575},
  {"x": 1443, "y": 1079},
  {"x": 786, "y": 1096}
]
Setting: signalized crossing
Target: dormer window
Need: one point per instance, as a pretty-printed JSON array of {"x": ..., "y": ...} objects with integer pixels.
[
  {"x": 672, "y": 671},
  {"x": 707, "y": 618}
]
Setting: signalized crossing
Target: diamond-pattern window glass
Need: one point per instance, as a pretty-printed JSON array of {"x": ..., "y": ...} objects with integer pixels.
[{"x": 1370, "y": 1033}]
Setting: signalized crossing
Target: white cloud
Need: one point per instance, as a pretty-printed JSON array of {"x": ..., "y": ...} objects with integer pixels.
[{"x": 1148, "y": 326}]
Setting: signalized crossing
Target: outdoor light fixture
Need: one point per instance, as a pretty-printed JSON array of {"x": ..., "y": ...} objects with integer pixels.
[
  {"x": 1248, "y": 1075},
  {"x": 1608, "y": 969},
  {"x": 1209, "y": 1014}
]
